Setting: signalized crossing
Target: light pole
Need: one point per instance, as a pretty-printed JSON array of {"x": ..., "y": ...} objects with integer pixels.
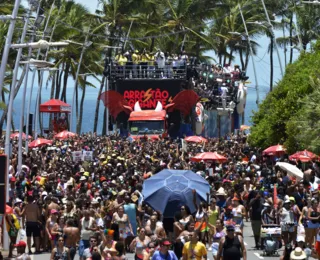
[
  {"x": 12, "y": 92},
  {"x": 5, "y": 54},
  {"x": 85, "y": 45},
  {"x": 33, "y": 76},
  {"x": 270, "y": 27},
  {"x": 251, "y": 54}
]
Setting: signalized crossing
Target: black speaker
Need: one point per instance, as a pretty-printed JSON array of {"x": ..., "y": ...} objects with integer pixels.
[
  {"x": 30, "y": 123},
  {"x": 3, "y": 174}
]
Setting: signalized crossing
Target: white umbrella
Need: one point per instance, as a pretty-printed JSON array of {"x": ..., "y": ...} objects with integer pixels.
[{"x": 291, "y": 169}]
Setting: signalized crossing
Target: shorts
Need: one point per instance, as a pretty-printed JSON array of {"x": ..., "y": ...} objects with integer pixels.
[
  {"x": 317, "y": 247},
  {"x": 239, "y": 221},
  {"x": 32, "y": 228},
  {"x": 287, "y": 228},
  {"x": 203, "y": 227},
  {"x": 83, "y": 244},
  {"x": 310, "y": 224}
]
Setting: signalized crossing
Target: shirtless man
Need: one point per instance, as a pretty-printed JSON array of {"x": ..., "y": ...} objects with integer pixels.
[
  {"x": 32, "y": 214},
  {"x": 72, "y": 237},
  {"x": 21, "y": 250},
  {"x": 51, "y": 202}
]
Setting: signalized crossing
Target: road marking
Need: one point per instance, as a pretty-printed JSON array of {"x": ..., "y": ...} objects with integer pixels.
[
  {"x": 245, "y": 243},
  {"x": 258, "y": 255}
]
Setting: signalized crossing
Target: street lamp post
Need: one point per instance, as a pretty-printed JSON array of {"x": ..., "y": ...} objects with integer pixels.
[
  {"x": 84, "y": 46},
  {"x": 33, "y": 78},
  {"x": 5, "y": 54},
  {"x": 10, "y": 111},
  {"x": 273, "y": 36},
  {"x": 251, "y": 54},
  {"x": 12, "y": 91}
]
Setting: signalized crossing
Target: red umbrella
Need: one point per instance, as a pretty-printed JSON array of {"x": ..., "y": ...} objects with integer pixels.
[
  {"x": 196, "y": 139},
  {"x": 303, "y": 156},
  {"x": 39, "y": 142},
  {"x": 209, "y": 156},
  {"x": 275, "y": 150},
  {"x": 64, "y": 135},
  {"x": 16, "y": 135}
]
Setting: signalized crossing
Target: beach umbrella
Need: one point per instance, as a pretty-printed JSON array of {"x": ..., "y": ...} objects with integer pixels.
[
  {"x": 196, "y": 139},
  {"x": 39, "y": 142},
  {"x": 303, "y": 156},
  {"x": 275, "y": 150},
  {"x": 244, "y": 127},
  {"x": 168, "y": 190},
  {"x": 291, "y": 169},
  {"x": 64, "y": 135},
  {"x": 16, "y": 135},
  {"x": 209, "y": 156}
]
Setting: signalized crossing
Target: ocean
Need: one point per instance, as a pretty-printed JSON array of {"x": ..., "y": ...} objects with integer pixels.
[{"x": 90, "y": 105}]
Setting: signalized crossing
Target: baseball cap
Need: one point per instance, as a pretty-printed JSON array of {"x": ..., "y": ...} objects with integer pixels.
[
  {"x": 20, "y": 244},
  {"x": 165, "y": 242},
  {"x": 230, "y": 228},
  {"x": 53, "y": 211}
]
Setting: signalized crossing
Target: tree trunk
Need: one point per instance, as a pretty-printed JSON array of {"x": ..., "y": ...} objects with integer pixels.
[
  {"x": 5, "y": 111},
  {"x": 104, "y": 129},
  {"x": 271, "y": 63},
  {"x": 58, "y": 88},
  {"x": 230, "y": 57},
  {"x": 77, "y": 102},
  {"x": 152, "y": 44},
  {"x": 79, "y": 121},
  {"x": 285, "y": 46},
  {"x": 96, "y": 114},
  {"x": 241, "y": 60},
  {"x": 40, "y": 74},
  {"x": 246, "y": 61},
  {"x": 290, "y": 37},
  {"x": 65, "y": 82},
  {"x": 224, "y": 59}
]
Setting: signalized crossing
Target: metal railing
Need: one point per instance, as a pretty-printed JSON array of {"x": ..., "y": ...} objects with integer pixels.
[{"x": 148, "y": 70}]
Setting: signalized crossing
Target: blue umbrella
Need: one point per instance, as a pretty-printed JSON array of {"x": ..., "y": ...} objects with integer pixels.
[{"x": 168, "y": 190}]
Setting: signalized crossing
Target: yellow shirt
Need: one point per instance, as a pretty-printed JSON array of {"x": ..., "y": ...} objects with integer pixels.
[
  {"x": 135, "y": 58},
  {"x": 42, "y": 181},
  {"x": 194, "y": 251}
]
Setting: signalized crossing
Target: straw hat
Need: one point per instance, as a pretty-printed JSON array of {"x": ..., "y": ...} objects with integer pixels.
[
  {"x": 221, "y": 192},
  {"x": 297, "y": 254}
]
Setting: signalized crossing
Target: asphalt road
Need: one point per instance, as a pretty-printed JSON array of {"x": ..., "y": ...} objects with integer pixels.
[{"x": 252, "y": 254}]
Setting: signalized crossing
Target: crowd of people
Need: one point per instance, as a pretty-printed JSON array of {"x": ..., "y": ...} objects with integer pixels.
[
  {"x": 144, "y": 64},
  {"x": 96, "y": 208}
]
